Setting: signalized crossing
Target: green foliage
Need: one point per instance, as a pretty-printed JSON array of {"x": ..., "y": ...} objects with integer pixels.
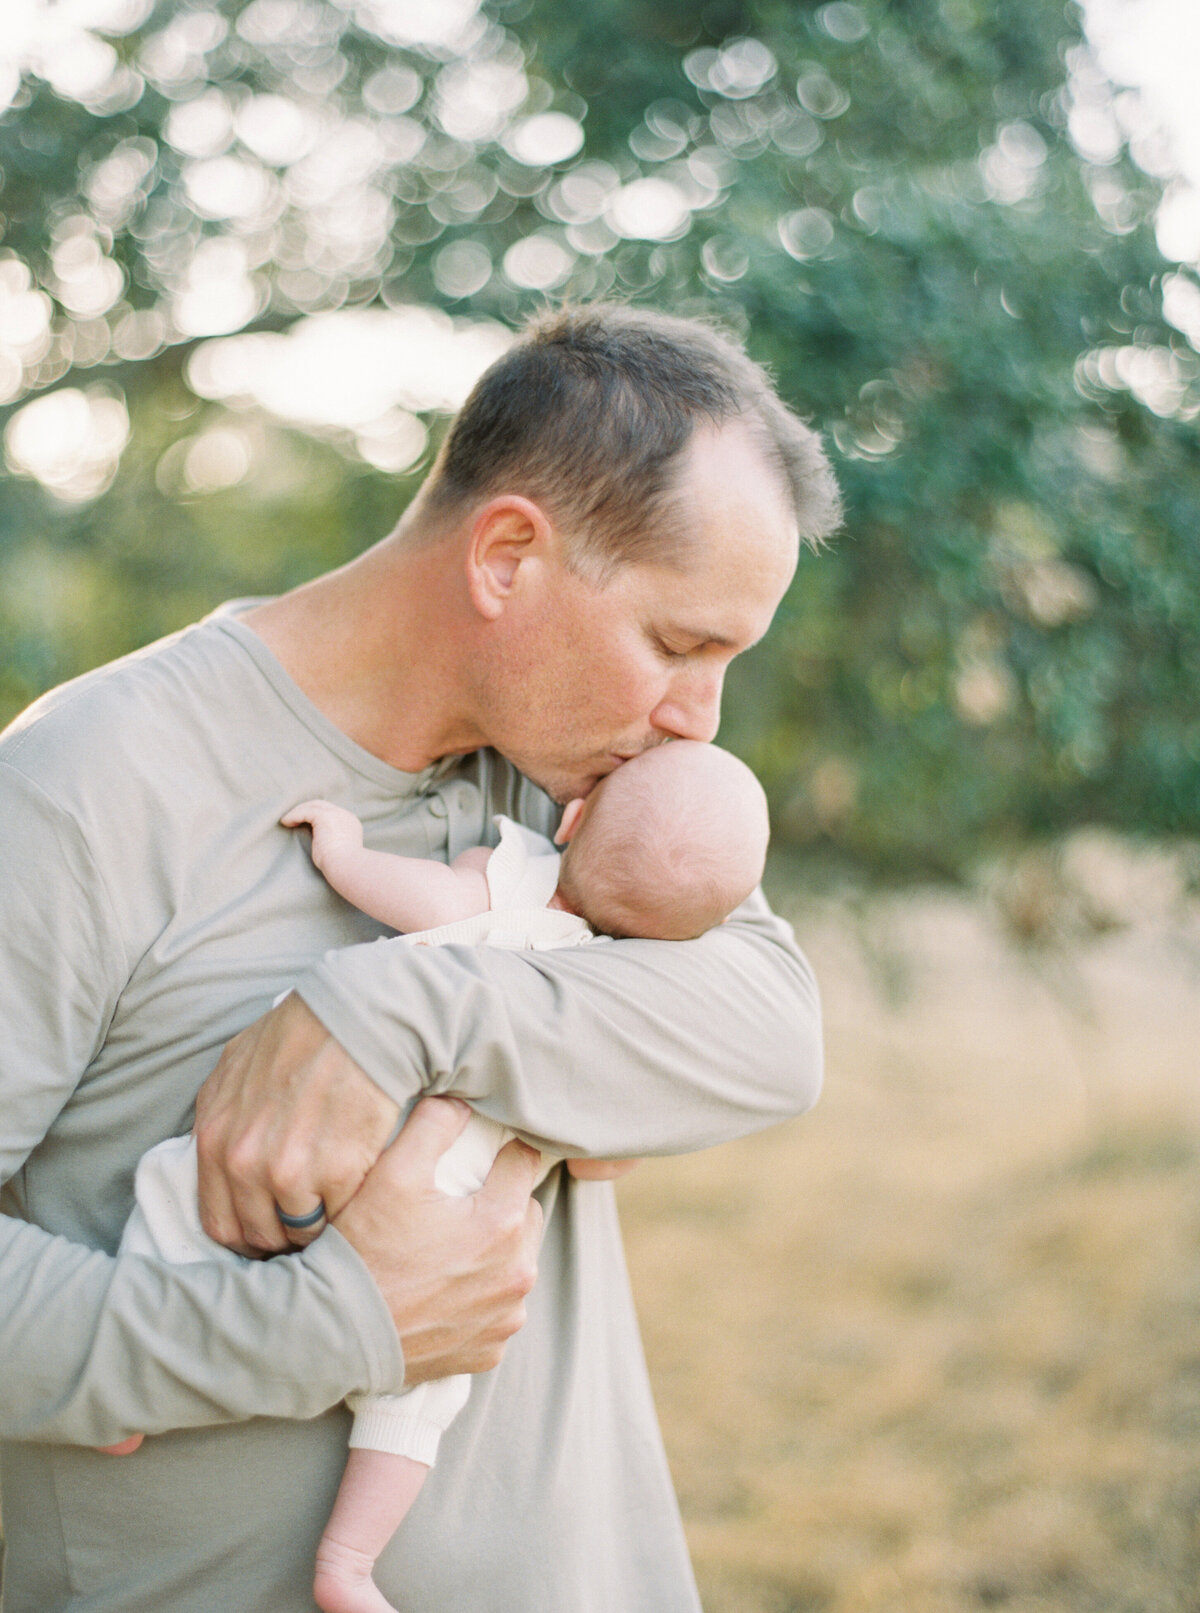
[{"x": 885, "y": 202}]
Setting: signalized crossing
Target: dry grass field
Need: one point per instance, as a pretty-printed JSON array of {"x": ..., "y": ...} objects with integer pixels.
[{"x": 936, "y": 1347}]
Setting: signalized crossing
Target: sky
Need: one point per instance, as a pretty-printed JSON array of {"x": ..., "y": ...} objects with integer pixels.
[{"x": 1154, "y": 45}]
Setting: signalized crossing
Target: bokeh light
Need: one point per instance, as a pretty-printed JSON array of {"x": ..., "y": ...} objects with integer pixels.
[
  {"x": 462, "y": 268},
  {"x": 69, "y": 440},
  {"x": 538, "y": 263},
  {"x": 548, "y": 138},
  {"x": 806, "y": 233},
  {"x": 362, "y": 375},
  {"x": 648, "y": 210}
]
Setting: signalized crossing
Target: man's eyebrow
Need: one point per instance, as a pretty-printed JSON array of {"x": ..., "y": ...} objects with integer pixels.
[{"x": 705, "y": 635}]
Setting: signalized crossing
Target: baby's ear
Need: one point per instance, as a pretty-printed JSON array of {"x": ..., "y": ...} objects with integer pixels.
[{"x": 572, "y": 812}]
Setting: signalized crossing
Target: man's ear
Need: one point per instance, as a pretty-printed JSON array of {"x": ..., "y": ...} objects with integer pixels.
[
  {"x": 508, "y": 532},
  {"x": 572, "y": 813}
]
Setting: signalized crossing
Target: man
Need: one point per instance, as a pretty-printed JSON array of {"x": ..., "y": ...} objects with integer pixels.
[{"x": 614, "y": 516}]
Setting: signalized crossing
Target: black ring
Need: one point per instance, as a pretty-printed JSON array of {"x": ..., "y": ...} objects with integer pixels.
[{"x": 301, "y": 1223}]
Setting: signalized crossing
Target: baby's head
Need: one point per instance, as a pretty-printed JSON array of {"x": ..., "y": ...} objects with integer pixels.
[{"x": 666, "y": 846}]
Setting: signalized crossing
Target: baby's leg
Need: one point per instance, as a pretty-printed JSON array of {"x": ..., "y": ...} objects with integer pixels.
[
  {"x": 395, "y": 1438},
  {"x": 393, "y": 1444},
  {"x": 376, "y": 1492}
]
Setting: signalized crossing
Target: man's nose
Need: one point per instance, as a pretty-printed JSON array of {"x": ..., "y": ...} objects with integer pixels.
[{"x": 692, "y": 710}]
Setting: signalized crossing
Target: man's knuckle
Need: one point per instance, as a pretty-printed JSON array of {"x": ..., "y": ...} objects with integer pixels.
[
  {"x": 207, "y": 1134},
  {"x": 524, "y": 1278},
  {"x": 242, "y": 1160},
  {"x": 342, "y": 1178},
  {"x": 290, "y": 1177},
  {"x": 510, "y": 1223},
  {"x": 513, "y": 1321},
  {"x": 220, "y": 1228}
]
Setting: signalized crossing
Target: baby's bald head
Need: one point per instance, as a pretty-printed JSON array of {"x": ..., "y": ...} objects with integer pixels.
[{"x": 668, "y": 845}]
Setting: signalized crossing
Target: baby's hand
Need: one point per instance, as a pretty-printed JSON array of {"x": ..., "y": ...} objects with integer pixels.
[
  {"x": 334, "y": 829},
  {"x": 125, "y": 1448},
  {"x": 601, "y": 1170}
]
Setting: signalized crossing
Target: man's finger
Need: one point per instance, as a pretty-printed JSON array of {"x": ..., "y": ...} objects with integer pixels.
[
  {"x": 292, "y": 1175},
  {"x": 427, "y": 1133},
  {"x": 238, "y": 1213},
  {"x": 217, "y": 1214},
  {"x": 514, "y": 1174},
  {"x": 300, "y": 1225},
  {"x": 262, "y": 1232},
  {"x": 252, "y": 1192}
]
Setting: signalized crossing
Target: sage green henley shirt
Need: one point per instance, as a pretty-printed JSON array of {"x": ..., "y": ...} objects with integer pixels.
[{"x": 150, "y": 908}]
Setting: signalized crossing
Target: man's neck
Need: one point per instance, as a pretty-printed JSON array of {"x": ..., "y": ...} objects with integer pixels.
[{"x": 374, "y": 645}]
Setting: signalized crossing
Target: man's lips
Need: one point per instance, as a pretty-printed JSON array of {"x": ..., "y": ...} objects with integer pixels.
[
  {"x": 616, "y": 758},
  {"x": 640, "y": 750}
]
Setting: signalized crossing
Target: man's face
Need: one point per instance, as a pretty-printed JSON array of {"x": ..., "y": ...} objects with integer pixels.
[{"x": 592, "y": 674}]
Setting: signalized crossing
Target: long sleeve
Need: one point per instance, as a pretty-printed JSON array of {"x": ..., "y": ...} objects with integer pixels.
[
  {"x": 635, "y": 1047},
  {"x": 94, "y": 1347}
]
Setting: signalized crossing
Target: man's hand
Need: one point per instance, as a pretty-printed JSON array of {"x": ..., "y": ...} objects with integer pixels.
[
  {"x": 286, "y": 1119},
  {"x": 454, "y": 1271}
]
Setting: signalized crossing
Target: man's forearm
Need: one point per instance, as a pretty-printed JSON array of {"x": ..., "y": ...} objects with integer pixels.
[
  {"x": 637, "y": 1047},
  {"x": 93, "y": 1348}
]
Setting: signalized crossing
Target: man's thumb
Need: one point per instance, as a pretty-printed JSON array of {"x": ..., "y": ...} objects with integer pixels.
[{"x": 425, "y": 1136}]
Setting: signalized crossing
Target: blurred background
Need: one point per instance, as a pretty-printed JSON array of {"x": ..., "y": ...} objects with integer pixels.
[{"x": 935, "y": 1347}]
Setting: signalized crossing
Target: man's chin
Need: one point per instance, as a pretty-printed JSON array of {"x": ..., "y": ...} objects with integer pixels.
[
  {"x": 563, "y": 790},
  {"x": 563, "y": 793}
]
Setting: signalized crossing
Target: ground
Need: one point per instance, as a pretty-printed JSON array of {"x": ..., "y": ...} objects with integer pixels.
[{"x": 936, "y": 1346}]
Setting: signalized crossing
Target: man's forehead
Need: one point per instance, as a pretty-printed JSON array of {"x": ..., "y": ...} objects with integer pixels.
[
  {"x": 735, "y": 502},
  {"x": 728, "y": 460}
]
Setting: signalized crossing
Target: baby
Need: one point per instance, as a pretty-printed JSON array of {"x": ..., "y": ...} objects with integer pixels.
[{"x": 663, "y": 848}]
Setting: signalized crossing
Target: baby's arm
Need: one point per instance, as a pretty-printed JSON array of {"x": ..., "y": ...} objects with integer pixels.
[{"x": 409, "y": 893}]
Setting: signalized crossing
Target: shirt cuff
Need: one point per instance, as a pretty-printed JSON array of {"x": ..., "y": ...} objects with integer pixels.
[
  {"x": 335, "y": 1262},
  {"x": 393, "y": 1057}
]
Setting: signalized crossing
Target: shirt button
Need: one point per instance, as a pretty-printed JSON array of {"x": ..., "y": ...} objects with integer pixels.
[{"x": 438, "y": 807}]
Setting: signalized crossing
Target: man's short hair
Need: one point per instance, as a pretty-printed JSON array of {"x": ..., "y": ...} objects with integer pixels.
[{"x": 587, "y": 414}]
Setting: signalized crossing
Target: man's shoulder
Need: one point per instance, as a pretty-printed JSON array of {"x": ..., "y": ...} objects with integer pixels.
[{"x": 102, "y": 722}]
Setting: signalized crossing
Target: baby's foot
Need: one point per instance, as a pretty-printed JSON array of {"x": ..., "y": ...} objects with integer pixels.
[{"x": 343, "y": 1582}]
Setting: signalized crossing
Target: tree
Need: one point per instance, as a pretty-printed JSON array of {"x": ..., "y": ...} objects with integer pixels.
[{"x": 922, "y": 216}]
